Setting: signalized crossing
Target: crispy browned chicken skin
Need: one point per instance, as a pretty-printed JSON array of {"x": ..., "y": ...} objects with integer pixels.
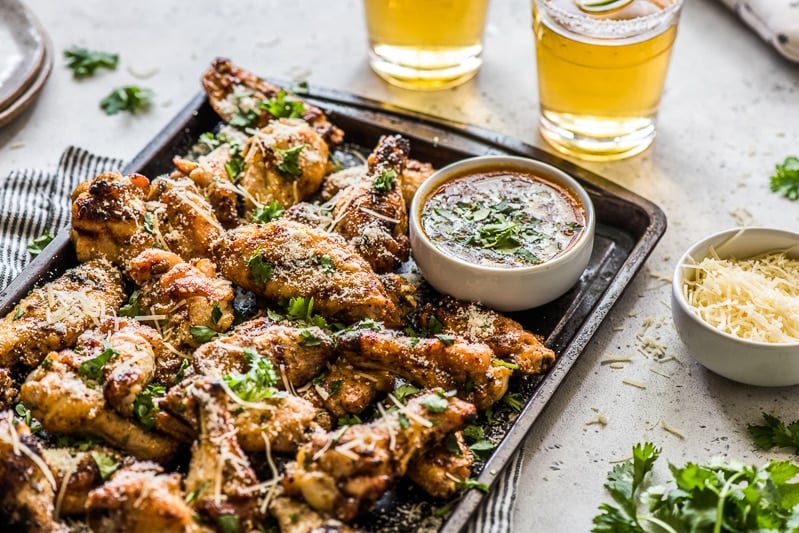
[
  {"x": 296, "y": 516},
  {"x": 28, "y": 486},
  {"x": 285, "y": 259},
  {"x": 54, "y": 315},
  {"x": 345, "y": 471},
  {"x": 140, "y": 498},
  {"x": 224, "y": 81},
  {"x": 442, "y": 470},
  {"x": 505, "y": 336},
  {"x": 76, "y": 474},
  {"x": 183, "y": 296},
  {"x": 371, "y": 213},
  {"x": 452, "y": 363}
]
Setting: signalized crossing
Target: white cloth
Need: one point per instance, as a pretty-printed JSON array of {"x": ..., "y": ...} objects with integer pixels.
[
  {"x": 776, "y": 21},
  {"x": 35, "y": 201}
]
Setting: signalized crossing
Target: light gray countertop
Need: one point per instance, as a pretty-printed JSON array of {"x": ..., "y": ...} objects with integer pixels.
[{"x": 730, "y": 112}]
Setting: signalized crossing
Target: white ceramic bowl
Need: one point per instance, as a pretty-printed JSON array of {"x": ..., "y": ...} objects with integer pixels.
[
  {"x": 501, "y": 288},
  {"x": 745, "y": 361}
]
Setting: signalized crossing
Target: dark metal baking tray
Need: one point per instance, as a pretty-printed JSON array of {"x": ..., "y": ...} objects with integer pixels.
[{"x": 628, "y": 229}]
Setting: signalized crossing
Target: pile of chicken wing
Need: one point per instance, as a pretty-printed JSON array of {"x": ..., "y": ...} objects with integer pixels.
[{"x": 242, "y": 344}]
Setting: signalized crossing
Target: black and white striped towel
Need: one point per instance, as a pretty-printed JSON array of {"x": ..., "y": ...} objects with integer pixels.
[{"x": 35, "y": 201}]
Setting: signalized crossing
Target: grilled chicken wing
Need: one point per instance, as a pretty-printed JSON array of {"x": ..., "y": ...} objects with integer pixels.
[
  {"x": 441, "y": 471},
  {"x": 346, "y": 471},
  {"x": 66, "y": 404},
  {"x": 8, "y": 389},
  {"x": 220, "y": 477},
  {"x": 297, "y": 353},
  {"x": 52, "y": 316},
  {"x": 28, "y": 494},
  {"x": 210, "y": 173},
  {"x": 280, "y": 423},
  {"x": 182, "y": 219},
  {"x": 344, "y": 390},
  {"x": 190, "y": 295},
  {"x": 503, "y": 335},
  {"x": 108, "y": 216},
  {"x": 446, "y": 362},
  {"x": 413, "y": 174},
  {"x": 285, "y": 259},
  {"x": 295, "y": 516},
  {"x": 371, "y": 214},
  {"x": 232, "y": 90},
  {"x": 140, "y": 498},
  {"x": 76, "y": 473},
  {"x": 285, "y": 161}
]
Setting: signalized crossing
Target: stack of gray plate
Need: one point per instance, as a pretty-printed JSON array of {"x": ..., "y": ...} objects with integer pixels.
[{"x": 26, "y": 59}]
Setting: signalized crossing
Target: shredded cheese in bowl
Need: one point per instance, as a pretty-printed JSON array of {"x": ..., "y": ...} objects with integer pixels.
[{"x": 754, "y": 299}]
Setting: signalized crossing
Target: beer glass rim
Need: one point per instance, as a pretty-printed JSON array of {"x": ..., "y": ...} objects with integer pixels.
[{"x": 585, "y": 24}]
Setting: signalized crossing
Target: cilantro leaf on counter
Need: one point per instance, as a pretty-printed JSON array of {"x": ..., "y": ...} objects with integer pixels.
[
  {"x": 130, "y": 98},
  {"x": 84, "y": 62},
  {"x": 785, "y": 180},
  {"x": 717, "y": 495},
  {"x": 775, "y": 433},
  {"x": 37, "y": 245}
]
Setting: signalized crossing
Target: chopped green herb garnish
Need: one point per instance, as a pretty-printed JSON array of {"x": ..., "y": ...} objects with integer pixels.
[
  {"x": 84, "y": 62},
  {"x": 281, "y": 107},
  {"x": 404, "y": 391},
  {"x": 130, "y": 98},
  {"x": 289, "y": 164},
  {"x": 184, "y": 364},
  {"x": 349, "y": 420},
  {"x": 193, "y": 495},
  {"x": 403, "y": 420},
  {"x": 132, "y": 308},
  {"x": 46, "y": 363},
  {"x": 144, "y": 407},
  {"x": 385, "y": 181},
  {"x": 335, "y": 386},
  {"x": 234, "y": 166},
  {"x": 202, "y": 334},
  {"x": 785, "y": 180},
  {"x": 148, "y": 223},
  {"x": 301, "y": 308},
  {"x": 435, "y": 403},
  {"x": 210, "y": 140},
  {"x": 243, "y": 119},
  {"x": 37, "y": 245},
  {"x": 325, "y": 262},
  {"x": 18, "y": 312},
  {"x": 301, "y": 87},
  {"x": 472, "y": 483},
  {"x": 446, "y": 340},
  {"x": 216, "y": 313},
  {"x": 309, "y": 338},
  {"x": 258, "y": 383},
  {"x": 260, "y": 269},
  {"x": 228, "y": 523},
  {"x": 506, "y": 364},
  {"x": 266, "y": 213},
  {"x": 105, "y": 464},
  {"x": 93, "y": 368},
  {"x": 433, "y": 326},
  {"x": 513, "y": 400},
  {"x": 775, "y": 433},
  {"x": 452, "y": 445}
]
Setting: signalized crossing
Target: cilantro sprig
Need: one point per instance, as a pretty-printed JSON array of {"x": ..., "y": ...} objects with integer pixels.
[
  {"x": 130, "y": 98},
  {"x": 37, "y": 245},
  {"x": 84, "y": 62},
  {"x": 258, "y": 383},
  {"x": 144, "y": 406},
  {"x": 718, "y": 495},
  {"x": 785, "y": 179},
  {"x": 775, "y": 433},
  {"x": 281, "y": 107}
]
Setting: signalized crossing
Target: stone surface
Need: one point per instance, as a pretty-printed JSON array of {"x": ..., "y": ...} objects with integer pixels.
[{"x": 728, "y": 115}]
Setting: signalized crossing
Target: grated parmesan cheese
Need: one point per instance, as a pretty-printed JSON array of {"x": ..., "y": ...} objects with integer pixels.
[{"x": 754, "y": 299}]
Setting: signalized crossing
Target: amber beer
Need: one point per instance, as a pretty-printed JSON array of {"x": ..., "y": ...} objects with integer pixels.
[
  {"x": 425, "y": 44},
  {"x": 601, "y": 73}
]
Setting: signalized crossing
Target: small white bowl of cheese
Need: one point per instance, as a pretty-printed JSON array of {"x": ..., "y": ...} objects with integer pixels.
[{"x": 735, "y": 304}]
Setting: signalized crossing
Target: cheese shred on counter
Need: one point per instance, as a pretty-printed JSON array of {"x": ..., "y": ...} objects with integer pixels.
[{"x": 754, "y": 299}]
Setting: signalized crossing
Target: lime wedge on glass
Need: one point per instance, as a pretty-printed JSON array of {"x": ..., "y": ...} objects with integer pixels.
[{"x": 598, "y": 6}]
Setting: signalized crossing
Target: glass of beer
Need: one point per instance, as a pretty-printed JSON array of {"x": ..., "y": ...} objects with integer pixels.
[
  {"x": 425, "y": 44},
  {"x": 601, "y": 69}
]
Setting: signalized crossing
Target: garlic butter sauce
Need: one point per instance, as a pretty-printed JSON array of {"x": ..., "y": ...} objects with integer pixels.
[{"x": 502, "y": 218}]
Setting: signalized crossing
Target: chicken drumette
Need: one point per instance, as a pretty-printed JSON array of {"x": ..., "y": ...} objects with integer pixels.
[
  {"x": 285, "y": 259},
  {"x": 54, "y": 315},
  {"x": 344, "y": 472}
]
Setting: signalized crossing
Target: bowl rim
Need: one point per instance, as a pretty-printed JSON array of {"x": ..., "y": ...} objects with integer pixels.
[
  {"x": 678, "y": 282},
  {"x": 452, "y": 170}
]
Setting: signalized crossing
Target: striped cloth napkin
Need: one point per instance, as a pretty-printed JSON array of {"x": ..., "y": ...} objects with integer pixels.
[
  {"x": 775, "y": 21},
  {"x": 36, "y": 201}
]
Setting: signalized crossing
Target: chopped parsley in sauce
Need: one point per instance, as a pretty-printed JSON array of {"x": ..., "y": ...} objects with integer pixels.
[{"x": 502, "y": 219}]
